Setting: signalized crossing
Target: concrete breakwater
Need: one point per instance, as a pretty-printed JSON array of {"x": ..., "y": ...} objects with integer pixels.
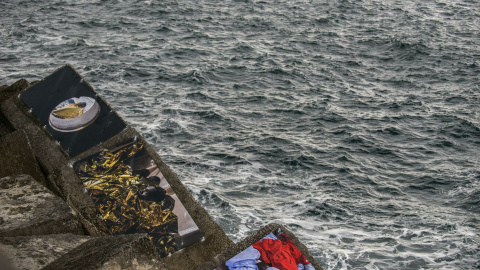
[{"x": 60, "y": 209}]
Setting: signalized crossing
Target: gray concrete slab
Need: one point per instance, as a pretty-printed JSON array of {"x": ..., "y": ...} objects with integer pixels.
[
  {"x": 28, "y": 208},
  {"x": 227, "y": 254},
  {"x": 17, "y": 157},
  {"x": 5, "y": 126},
  {"x": 54, "y": 161},
  {"x": 35, "y": 252},
  {"x": 131, "y": 251},
  {"x": 8, "y": 91}
]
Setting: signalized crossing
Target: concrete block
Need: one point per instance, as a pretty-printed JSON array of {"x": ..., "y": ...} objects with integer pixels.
[
  {"x": 5, "y": 261},
  {"x": 220, "y": 259},
  {"x": 14, "y": 89},
  {"x": 54, "y": 161},
  {"x": 5, "y": 126},
  {"x": 28, "y": 208},
  {"x": 35, "y": 252},
  {"x": 6, "y": 91},
  {"x": 131, "y": 251},
  {"x": 17, "y": 157}
]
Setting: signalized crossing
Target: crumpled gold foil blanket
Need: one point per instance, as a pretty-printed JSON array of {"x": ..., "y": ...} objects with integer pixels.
[
  {"x": 114, "y": 190},
  {"x": 68, "y": 112}
]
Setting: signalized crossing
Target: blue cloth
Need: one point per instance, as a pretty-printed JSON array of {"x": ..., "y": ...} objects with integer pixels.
[
  {"x": 245, "y": 260},
  {"x": 306, "y": 267},
  {"x": 269, "y": 236}
]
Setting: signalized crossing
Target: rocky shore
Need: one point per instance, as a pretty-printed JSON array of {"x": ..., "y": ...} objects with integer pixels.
[{"x": 48, "y": 221}]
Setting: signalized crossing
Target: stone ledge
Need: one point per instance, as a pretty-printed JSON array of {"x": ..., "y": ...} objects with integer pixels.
[
  {"x": 35, "y": 252},
  {"x": 28, "y": 208},
  {"x": 7, "y": 91},
  {"x": 61, "y": 178},
  {"x": 131, "y": 251},
  {"x": 5, "y": 126},
  {"x": 252, "y": 239},
  {"x": 17, "y": 157}
]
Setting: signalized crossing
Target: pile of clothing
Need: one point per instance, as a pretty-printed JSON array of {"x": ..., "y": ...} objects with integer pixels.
[{"x": 270, "y": 253}]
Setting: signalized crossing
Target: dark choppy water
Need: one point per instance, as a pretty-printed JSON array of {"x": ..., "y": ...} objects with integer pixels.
[{"x": 354, "y": 123}]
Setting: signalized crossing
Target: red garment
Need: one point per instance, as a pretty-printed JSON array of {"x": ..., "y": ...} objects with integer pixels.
[{"x": 283, "y": 255}]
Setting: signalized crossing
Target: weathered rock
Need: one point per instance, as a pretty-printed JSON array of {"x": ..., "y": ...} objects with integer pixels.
[
  {"x": 35, "y": 252},
  {"x": 131, "y": 251},
  {"x": 18, "y": 158},
  {"x": 5, "y": 263},
  {"x": 28, "y": 208},
  {"x": 252, "y": 239},
  {"x": 14, "y": 89},
  {"x": 5, "y": 126}
]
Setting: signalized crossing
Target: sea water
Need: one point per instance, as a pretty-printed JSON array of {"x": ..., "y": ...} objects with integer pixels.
[{"x": 356, "y": 124}]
